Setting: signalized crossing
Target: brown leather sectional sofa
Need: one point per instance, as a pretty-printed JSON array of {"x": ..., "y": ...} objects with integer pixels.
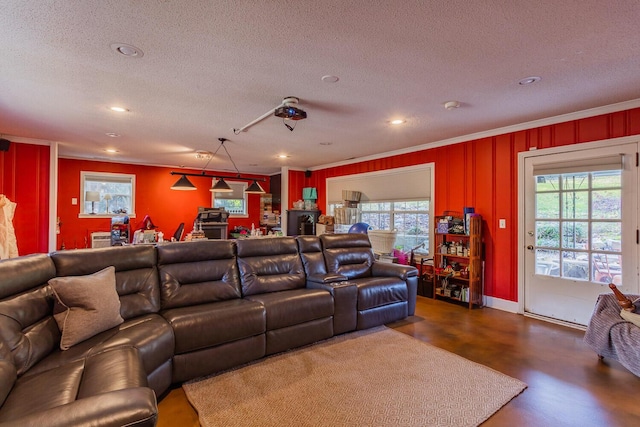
[{"x": 189, "y": 309}]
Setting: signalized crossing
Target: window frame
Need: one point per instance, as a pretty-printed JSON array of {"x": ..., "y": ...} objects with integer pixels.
[
  {"x": 245, "y": 197},
  {"x": 571, "y": 255},
  {"x": 93, "y": 176},
  {"x": 393, "y": 212}
]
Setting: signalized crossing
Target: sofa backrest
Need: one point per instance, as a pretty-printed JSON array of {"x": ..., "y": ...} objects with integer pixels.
[
  {"x": 310, "y": 248},
  {"x": 269, "y": 265},
  {"x": 348, "y": 254},
  {"x": 197, "y": 272},
  {"x": 136, "y": 274},
  {"x": 27, "y": 325}
]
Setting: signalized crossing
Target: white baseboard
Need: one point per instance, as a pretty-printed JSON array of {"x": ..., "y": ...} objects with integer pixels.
[
  {"x": 501, "y": 304},
  {"x": 513, "y": 307}
]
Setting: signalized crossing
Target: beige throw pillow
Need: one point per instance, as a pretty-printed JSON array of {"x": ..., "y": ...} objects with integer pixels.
[
  {"x": 85, "y": 305},
  {"x": 630, "y": 317}
]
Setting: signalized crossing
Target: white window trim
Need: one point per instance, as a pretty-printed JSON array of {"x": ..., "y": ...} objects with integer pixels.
[
  {"x": 121, "y": 176},
  {"x": 396, "y": 173}
]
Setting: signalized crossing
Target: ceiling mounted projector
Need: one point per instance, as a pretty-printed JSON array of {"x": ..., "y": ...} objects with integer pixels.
[
  {"x": 289, "y": 110},
  {"x": 290, "y": 113}
]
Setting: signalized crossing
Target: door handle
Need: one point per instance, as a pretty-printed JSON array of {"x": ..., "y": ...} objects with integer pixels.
[{"x": 530, "y": 247}]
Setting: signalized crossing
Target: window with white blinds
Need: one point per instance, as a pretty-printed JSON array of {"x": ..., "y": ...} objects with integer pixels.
[
  {"x": 107, "y": 194},
  {"x": 234, "y": 202},
  {"x": 409, "y": 183}
]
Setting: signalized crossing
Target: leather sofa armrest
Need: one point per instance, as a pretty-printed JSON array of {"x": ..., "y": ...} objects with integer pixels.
[
  {"x": 131, "y": 407},
  {"x": 407, "y": 273},
  {"x": 345, "y": 304},
  {"x": 326, "y": 278},
  {"x": 393, "y": 270}
]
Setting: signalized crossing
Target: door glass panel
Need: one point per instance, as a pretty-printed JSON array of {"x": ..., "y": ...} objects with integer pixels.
[
  {"x": 575, "y": 235},
  {"x": 578, "y": 226},
  {"x": 606, "y": 179},
  {"x": 577, "y": 181},
  {"x": 606, "y": 236},
  {"x": 547, "y": 262},
  {"x": 547, "y": 183},
  {"x": 548, "y": 234},
  {"x": 607, "y": 268},
  {"x": 575, "y": 265},
  {"x": 575, "y": 204},
  {"x": 548, "y": 205},
  {"x": 607, "y": 204}
]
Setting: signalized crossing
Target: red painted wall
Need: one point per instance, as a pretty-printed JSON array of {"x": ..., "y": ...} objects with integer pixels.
[
  {"x": 480, "y": 173},
  {"x": 167, "y": 208},
  {"x": 483, "y": 174},
  {"x": 24, "y": 179},
  {"x": 297, "y": 182}
]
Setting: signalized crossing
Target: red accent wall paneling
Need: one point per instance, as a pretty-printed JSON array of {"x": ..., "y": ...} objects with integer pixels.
[
  {"x": 480, "y": 173},
  {"x": 25, "y": 180},
  {"x": 297, "y": 181},
  {"x": 167, "y": 208},
  {"x": 483, "y": 174}
]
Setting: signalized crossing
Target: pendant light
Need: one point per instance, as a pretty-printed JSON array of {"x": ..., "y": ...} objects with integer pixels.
[
  {"x": 183, "y": 184},
  {"x": 255, "y": 188},
  {"x": 221, "y": 187}
]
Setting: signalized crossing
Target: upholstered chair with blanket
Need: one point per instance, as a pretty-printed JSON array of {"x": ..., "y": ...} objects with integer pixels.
[{"x": 614, "y": 332}]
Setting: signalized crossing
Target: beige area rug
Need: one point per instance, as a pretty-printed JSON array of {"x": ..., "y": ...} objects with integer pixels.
[{"x": 376, "y": 377}]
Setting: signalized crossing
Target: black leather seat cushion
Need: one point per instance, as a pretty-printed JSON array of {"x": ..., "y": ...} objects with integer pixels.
[
  {"x": 208, "y": 325},
  {"x": 112, "y": 370},
  {"x": 287, "y": 308},
  {"x": 380, "y": 291}
]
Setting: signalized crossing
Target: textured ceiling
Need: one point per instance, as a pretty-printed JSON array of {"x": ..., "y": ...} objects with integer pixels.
[{"x": 211, "y": 66}]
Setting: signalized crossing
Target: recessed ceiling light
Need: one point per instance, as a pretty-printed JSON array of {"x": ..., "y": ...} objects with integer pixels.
[
  {"x": 326, "y": 143},
  {"x": 282, "y": 156},
  {"x": 397, "y": 121},
  {"x": 127, "y": 50},
  {"x": 112, "y": 135},
  {"x": 330, "y": 79},
  {"x": 111, "y": 150},
  {"x": 119, "y": 109},
  {"x": 529, "y": 80},
  {"x": 451, "y": 105}
]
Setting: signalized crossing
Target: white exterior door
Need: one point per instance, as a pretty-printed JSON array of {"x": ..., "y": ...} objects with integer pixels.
[{"x": 580, "y": 228}]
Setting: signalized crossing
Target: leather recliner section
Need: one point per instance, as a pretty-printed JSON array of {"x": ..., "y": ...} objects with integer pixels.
[
  {"x": 345, "y": 294},
  {"x": 272, "y": 274},
  {"x": 214, "y": 327}
]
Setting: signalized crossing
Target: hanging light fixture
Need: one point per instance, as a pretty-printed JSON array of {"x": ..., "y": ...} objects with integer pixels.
[
  {"x": 183, "y": 184},
  {"x": 254, "y": 188},
  {"x": 220, "y": 186}
]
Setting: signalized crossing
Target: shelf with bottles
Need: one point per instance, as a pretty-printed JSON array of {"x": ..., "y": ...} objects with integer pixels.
[
  {"x": 458, "y": 262},
  {"x": 454, "y": 249}
]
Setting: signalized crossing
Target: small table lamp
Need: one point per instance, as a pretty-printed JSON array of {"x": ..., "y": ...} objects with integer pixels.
[
  {"x": 93, "y": 197},
  {"x": 107, "y": 197}
]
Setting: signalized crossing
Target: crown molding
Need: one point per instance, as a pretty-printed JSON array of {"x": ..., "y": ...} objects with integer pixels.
[
  {"x": 22, "y": 140},
  {"x": 592, "y": 112}
]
